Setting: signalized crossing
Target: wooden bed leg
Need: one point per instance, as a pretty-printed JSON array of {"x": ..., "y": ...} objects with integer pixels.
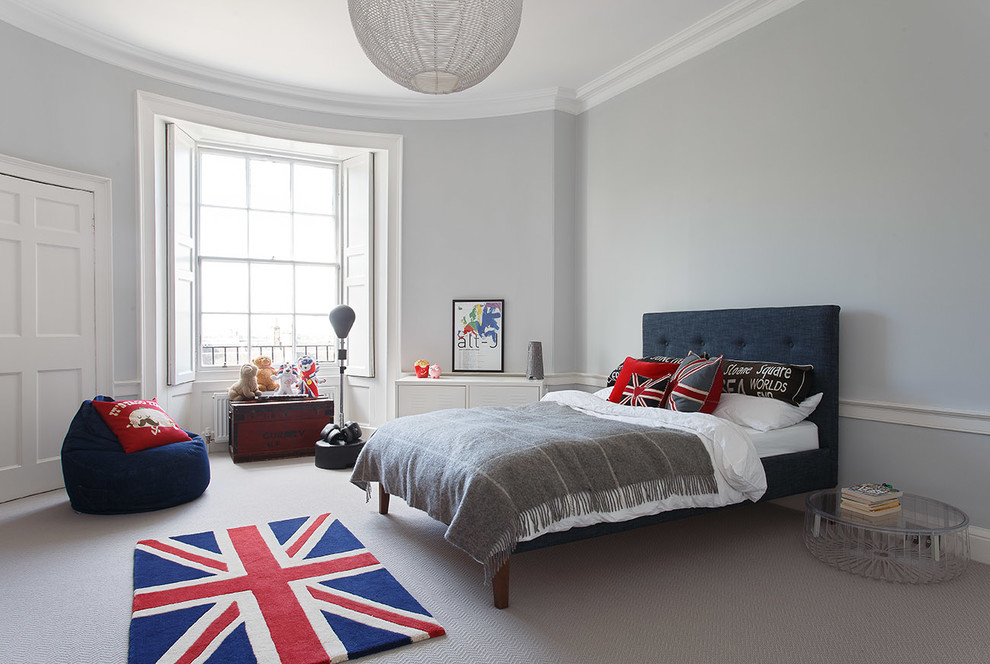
[
  {"x": 382, "y": 500},
  {"x": 500, "y": 587}
]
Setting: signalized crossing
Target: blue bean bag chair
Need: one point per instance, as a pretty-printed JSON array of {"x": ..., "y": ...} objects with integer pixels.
[{"x": 101, "y": 478}]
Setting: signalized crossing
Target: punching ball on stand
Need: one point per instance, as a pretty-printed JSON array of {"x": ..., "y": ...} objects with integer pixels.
[{"x": 339, "y": 443}]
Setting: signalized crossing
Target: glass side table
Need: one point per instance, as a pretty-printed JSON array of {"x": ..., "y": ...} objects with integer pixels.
[{"x": 926, "y": 542}]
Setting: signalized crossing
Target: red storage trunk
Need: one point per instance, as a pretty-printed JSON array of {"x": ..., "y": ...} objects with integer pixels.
[{"x": 273, "y": 429}]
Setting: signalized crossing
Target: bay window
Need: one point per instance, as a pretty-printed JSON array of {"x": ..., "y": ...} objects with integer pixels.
[{"x": 257, "y": 241}]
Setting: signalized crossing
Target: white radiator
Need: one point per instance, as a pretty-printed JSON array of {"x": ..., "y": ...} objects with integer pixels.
[{"x": 221, "y": 403}]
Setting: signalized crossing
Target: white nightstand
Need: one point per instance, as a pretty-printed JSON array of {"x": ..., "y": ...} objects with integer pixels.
[{"x": 421, "y": 395}]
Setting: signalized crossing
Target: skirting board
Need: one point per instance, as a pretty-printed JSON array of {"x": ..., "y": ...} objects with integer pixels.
[{"x": 979, "y": 545}]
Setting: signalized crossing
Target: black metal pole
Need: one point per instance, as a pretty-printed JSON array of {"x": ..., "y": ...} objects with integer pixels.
[{"x": 342, "y": 361}]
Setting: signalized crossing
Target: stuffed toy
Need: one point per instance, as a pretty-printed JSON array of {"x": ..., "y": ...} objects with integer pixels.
[
  {"x": 265, "y": 373},
  {"x": 246, "y": 388},
  {"x": 288, "y": 379},
  {"x": 307, "y": 369}
]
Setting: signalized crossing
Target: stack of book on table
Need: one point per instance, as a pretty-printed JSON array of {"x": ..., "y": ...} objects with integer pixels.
[{"x": 871, "y": 499}]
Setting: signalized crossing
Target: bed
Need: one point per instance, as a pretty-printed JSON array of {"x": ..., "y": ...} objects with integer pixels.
[{"x": 424, "y": 458}]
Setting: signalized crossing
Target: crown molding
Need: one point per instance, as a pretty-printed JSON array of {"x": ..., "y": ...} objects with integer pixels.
[
  {"x": 703, "y": 36},
  {"x": 723, "y": 25}
]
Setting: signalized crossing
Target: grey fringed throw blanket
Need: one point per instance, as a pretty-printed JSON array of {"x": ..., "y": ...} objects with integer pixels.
[{"x": 497, "y": 475}]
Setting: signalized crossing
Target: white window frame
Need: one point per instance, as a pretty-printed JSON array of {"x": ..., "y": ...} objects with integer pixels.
[
  {"x": 217, "y": 139},
  {"x": 328, "y": 366}
]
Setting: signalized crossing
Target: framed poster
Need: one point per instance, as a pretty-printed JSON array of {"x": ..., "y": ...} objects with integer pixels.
[{"x": 478, "y": 326}]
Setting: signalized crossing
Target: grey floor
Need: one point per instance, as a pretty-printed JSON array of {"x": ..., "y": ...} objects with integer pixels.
[{"x": 734, "y": 586}]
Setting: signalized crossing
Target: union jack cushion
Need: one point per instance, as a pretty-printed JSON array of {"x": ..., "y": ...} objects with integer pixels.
[
  {"x": 614, "y": 375},
  {"x": 696, "y": 386},
  {"x": 642, "y": 383}
]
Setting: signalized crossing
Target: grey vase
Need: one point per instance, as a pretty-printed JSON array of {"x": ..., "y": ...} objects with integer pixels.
[{"x": 534, "y": 361}]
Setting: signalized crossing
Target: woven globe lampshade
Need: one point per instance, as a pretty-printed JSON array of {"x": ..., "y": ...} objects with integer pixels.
[{"x": 436, "y": 46}]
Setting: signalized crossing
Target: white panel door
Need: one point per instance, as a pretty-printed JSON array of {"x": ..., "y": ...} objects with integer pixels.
[{"x": 48, "y": 330}]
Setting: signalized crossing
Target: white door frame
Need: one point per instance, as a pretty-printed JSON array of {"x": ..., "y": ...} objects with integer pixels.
[{"x": 100, "y": 188}]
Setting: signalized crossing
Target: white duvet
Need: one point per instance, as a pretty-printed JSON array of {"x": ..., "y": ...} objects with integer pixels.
[{"x": 738, "y": 469}]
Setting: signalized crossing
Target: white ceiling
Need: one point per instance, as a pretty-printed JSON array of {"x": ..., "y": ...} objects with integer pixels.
[{"x": 566, "y": 50}]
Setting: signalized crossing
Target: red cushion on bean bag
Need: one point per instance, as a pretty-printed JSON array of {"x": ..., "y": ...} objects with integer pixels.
[{"x": 140, "y": 424}]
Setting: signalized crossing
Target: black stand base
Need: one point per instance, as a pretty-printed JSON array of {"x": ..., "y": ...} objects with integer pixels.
[{"x": 336, "y": 457}]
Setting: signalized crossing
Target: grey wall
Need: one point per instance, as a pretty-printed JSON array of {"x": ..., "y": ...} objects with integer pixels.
[
  {"x": 477, "y": 202},
  {"x": 838, "y": 153},
  {"x": 477, "y": 223},
  {"x": 562, "y": 352}
]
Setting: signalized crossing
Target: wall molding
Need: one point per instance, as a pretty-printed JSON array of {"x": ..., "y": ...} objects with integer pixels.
[
  {"x": 916, "y": 416},
  {"x": 929, "y": 417},
  {"x": 574, "y": 378},
  {"x": 703, "y": 36}
]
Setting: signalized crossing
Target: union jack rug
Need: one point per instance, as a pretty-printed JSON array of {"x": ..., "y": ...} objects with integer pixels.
[{"x": 298, "y": 591}]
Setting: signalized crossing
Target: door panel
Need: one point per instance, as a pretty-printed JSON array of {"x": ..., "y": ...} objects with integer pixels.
[{"x": 48, "y": 339}]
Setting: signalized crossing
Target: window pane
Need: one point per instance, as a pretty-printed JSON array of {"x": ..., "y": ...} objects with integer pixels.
[
  {"x": 258, "y": 215},
  {"x": 224, "y": 340},
  {"x": 269, "y": 185},
  {"x": 313, "y": 189},
  {"x": 222, "y": 232},
  {"x": 270, "y": 235},
  {"x": 272, "y": 336},
  {"x": 223, "y": 180},
  {"x": 316, "y": 289},
  {"x": 315, "y": 238},
  {"x": 224, "y": 287},
  {"x": 314, "y": 337},
  {"x": 271, "y": 289}
]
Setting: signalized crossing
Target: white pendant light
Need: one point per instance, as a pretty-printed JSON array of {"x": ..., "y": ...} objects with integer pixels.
[{"x": 436, "y": 46}]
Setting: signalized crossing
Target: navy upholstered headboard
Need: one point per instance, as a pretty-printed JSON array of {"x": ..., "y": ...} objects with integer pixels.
[{"x": 793, "y": 335}]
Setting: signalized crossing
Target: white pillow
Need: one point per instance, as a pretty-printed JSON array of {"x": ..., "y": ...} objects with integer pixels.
[{"x": 762, "y": 413}]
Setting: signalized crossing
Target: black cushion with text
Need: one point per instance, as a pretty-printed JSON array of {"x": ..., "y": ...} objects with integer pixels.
[{"x": 786, "y": 382}]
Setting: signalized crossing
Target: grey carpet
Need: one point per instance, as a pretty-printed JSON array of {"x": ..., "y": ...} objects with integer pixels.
[{"x": 734, "y": 586}]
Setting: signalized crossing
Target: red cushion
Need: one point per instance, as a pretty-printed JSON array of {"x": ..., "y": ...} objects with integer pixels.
[
  {"x": 696, "y": 386},
  {"x": 642, "y": 383},
  {"x": 139, "y": 424}
]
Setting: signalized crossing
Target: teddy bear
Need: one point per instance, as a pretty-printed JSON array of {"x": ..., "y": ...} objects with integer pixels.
[
  {"x": 265, "y": 373},
  {"x": 288, "y": 379},
  {"x": 246, "y": 388}
]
